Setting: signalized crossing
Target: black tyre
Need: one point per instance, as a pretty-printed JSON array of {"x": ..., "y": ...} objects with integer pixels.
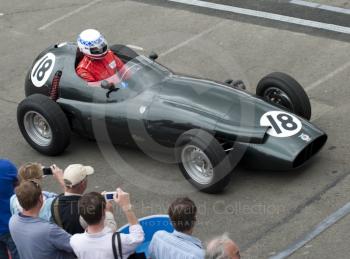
[
  {"x": 285, "y": 92},
  {"x": 203, "y": 161},
  {"x": 43, "y": 124}
]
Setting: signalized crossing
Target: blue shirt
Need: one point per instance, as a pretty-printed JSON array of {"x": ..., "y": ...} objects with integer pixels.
[
  {"x": 45, "y": 212},
  {"x": 175, "y": 245},
  {"x": 8, "y": 176},
  {"x": 36, "y": 238}
]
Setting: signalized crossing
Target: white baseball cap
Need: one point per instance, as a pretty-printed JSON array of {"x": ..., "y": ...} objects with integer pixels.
[{"x": 75, "y": 174}]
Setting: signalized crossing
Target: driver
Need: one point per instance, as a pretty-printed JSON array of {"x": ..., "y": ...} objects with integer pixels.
[{"x": 99, "y": 62}]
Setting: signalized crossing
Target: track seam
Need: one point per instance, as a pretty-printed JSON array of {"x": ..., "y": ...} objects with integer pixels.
[
  {"x": 40, "y": 10},
  {"x": 295, "y": 212}
]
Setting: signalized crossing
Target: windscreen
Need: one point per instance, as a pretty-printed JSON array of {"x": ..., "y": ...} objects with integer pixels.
[{"x": 141, "y": 73}]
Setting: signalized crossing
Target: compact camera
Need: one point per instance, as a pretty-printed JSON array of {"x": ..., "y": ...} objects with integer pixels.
[{"x": 109, "y": 195}]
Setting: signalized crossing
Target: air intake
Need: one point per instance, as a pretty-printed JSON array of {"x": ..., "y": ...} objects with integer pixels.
[{"x": 309, "y": 151}]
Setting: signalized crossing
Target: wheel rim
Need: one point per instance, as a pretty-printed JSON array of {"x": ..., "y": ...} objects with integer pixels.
[
  {"x": 277, "y": 96},
  {"x": 197, "y": 164},
  {"x": 37, "y": 128}
]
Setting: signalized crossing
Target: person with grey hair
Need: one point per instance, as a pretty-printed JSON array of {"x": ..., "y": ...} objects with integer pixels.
[{"x": 222, "y": 248}]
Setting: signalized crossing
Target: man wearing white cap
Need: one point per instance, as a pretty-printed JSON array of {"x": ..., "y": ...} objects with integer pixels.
[
  {"x": 75, "y": 178},
  {"x": 65, "y": 208}
]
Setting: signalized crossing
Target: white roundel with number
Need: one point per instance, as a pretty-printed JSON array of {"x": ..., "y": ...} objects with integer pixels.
[
  {"x": 282, "y": 124},
  {"x": 42, "y": 69}
]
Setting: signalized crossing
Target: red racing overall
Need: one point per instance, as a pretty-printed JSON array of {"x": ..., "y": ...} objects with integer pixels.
[{"x": 96, "y": 70}]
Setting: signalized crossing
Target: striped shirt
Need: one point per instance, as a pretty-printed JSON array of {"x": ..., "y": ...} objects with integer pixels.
[{"x": 176, "y": 245}]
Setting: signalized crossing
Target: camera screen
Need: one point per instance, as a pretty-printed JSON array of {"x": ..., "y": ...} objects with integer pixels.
[{"x": 109, "y": 196}]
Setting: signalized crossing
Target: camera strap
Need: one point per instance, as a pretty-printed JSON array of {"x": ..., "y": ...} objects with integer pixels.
[
  {"x": 55, "y": 212},
  {"x": 119, "y": 246}
]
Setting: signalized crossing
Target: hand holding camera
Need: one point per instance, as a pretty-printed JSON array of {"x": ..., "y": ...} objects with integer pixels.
[
  {"x": 123, "y": 200},
  {"x": 120, "y": 197},
  {"x": 57, "y": 174},
  {"x": 52, "y": 170},
  {"x": 47, "y": 171}
]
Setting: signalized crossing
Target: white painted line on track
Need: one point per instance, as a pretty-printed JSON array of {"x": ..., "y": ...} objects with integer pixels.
[
  {"x": 328, "y": 222},
  {"x": 321, "y": 6},
  {"x": 334, "y": 9},
  {"x": 135, "y": 47},
  {"x": 328, "y": 76},
  {"x": 319, "y": 109},
  {"x": 45, "y": 26},
  {"x": 266, "y": 15},
  {"x": 1, "y": 14},
  {"x": 305, "y": 3},
  {"x": 197, "y": 36}
]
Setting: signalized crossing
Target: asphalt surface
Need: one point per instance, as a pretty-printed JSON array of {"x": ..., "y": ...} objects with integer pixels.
[
  {"x": 263, "y": 212},
  {"x": 280, "y": 7}
]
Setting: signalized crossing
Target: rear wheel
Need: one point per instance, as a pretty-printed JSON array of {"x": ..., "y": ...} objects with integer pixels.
[
  {"x": 203, "y": 161},
  {"x": 43, "y": 124},
  {"x": 285, "y": 92}
]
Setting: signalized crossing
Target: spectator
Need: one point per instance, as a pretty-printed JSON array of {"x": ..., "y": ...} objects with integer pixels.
[
  {"x": 96, "y": 242},
  {"x": 34, "y": 171},
  {"x": 222, "y": 248},
  {"x": 8, "y": 180},
  {"x": 180, "y": 244},
  {"x": 65, "y": 208},
  {"x": 36, "y": 238}
]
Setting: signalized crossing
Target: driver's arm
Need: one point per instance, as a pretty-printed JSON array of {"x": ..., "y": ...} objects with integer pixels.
[
  {"x": 88, "y": 77},
  {"x": 85, "y": 74},
  {"x": 95, "y": 84},
  {"x": 112, "y": 80}
]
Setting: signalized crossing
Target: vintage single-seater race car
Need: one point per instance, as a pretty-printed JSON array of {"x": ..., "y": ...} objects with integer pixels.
[{"x": 208, "y": 126}]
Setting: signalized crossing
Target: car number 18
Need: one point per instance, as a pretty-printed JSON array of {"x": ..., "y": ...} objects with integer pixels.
[
  {"x": 42, "y": 69},
  {"x": 282, "y": 124}
]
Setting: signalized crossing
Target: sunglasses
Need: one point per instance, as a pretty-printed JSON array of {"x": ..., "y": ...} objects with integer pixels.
[{"x": 36, "y": 184}]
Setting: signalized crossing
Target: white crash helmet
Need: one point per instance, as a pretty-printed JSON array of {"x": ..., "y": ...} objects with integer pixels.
[{"x": 92, "y": 43}]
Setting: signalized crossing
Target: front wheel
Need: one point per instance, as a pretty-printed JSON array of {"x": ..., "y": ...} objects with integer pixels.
[
  {"x": 43, "y": 124},
  {"x": 285, "y": 92},
  {"x": 203, "y": 161}
]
